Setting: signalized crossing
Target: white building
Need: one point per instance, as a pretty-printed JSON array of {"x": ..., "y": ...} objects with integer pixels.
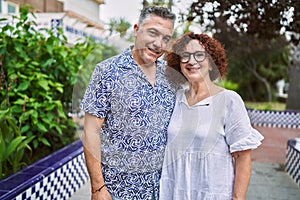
[{"x": 78, "y": 18}]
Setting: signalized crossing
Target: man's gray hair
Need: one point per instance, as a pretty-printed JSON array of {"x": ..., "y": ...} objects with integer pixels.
[{"x": 158, "y": 11}]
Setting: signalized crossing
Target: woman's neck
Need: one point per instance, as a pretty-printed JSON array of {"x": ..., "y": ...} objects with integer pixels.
[{"x": 201, "y": 90}]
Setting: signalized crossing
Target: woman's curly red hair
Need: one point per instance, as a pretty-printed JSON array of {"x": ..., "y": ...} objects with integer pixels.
[{"x": 214, "y": 48}]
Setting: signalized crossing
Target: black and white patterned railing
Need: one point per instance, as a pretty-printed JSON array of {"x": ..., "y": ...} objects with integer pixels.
[
  {"x": 278, "y": 119},
  {"x": 56, "y": 176},
  {"x": 292, "y": 163}
]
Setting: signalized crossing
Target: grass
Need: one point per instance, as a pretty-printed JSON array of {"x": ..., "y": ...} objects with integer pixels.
[{"x": 266, "y": 105}]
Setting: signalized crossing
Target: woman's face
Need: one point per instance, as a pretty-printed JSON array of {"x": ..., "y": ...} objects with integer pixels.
[{"x": 194, "y": 62}]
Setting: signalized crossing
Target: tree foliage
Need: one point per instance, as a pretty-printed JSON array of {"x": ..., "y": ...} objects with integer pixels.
[
  {"x": 119, "y": 25},
  {"x": 163, "y": 3},
  {"x": 254, "y": 36},
  {"x": 263, "y": 18}
]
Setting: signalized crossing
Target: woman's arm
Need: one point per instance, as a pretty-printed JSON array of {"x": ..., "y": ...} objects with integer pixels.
[{"x": 242, "y": 174}]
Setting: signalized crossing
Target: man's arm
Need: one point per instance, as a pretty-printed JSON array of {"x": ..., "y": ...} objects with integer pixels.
[
  {"x": 92, "y": 153},
  {"x": 242, "y": 174}
]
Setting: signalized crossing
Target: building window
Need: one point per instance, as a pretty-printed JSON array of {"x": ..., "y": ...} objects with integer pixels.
[
  {"x": 11, "y": 8},
  {"x": 0, "y": 6}
]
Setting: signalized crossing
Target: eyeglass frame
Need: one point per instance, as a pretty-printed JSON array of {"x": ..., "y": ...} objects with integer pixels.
[{"x": 204, "y": 52}]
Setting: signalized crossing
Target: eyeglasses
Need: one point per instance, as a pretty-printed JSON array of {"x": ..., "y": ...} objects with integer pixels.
[{"x": 199, "y": 56}]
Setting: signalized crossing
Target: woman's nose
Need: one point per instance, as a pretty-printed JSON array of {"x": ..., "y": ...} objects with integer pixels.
[{"x": 192, "y": 60}]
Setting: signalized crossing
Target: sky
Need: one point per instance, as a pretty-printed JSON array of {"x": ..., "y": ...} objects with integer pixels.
[{"x": 130, "y": 9}]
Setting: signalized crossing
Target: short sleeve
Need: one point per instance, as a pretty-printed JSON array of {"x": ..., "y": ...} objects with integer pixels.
[
  {"x": 96, "y": 100},
  {"x": 239, "y": 133}
]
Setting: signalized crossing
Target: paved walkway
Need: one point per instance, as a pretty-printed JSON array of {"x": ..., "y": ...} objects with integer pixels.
[{"x": 269, "y": 181}]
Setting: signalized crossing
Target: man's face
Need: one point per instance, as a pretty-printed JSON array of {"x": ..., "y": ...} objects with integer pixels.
[{"x": 151, "y": 39}]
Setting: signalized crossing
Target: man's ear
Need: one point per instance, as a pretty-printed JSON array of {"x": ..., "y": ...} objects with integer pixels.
[{"x": 135, "y": 29}]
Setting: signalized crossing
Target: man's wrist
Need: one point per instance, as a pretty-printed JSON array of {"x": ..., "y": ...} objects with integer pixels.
[{"x": 97, "y": 189}]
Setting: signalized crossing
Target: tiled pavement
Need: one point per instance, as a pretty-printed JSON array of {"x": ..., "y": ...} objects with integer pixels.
[{"x": 269, "y": 181}]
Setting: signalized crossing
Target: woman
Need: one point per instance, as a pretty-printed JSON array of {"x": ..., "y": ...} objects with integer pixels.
[{"x": 210, "y": 138}]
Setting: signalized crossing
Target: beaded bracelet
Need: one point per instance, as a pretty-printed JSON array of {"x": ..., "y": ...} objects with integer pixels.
[{"x": 97, "y": 190}]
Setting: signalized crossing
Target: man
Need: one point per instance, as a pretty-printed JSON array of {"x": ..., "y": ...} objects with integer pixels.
[{"x": 127, "y": 105}]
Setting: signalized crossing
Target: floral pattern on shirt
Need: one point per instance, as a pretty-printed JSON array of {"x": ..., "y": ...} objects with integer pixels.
[{"x": 133, "y": 136}]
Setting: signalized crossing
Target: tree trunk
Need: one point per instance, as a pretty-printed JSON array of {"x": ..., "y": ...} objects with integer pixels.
[
  {"x": 263, "y": 80},
  {"x": 293, "y": 100},
  {"x": 170, "y": 4}
]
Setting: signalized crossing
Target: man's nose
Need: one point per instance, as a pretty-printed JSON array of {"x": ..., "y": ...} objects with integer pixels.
[{"x": 158, "y": 42}]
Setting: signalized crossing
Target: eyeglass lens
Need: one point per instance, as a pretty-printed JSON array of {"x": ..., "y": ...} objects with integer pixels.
[{"x": 198, "y": 56}]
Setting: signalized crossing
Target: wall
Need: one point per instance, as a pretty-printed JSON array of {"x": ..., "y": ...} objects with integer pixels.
[
  {"x": 87, "y": 8},
  {"x": 292, "y": 164},
  {"x": 43, "y": 5},
  {"x": 279, "y": 119},
  {"x": 56, "y": 176}
]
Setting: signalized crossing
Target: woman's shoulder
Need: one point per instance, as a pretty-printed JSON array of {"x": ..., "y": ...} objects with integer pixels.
[
  {"x": 233, "y": 95},
  {"x": 233, "y": 101},
  {"x": 230, "y": 92}
]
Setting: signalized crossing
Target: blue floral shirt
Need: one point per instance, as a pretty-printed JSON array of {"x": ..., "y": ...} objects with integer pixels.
[{"x": 133, "y": 136}]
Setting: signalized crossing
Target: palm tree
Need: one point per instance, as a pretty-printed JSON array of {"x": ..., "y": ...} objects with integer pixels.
[
  {"x": 164, "y": 3},
  {"x": 145, "y": 3},
  {"x": 119, "y": 26}
]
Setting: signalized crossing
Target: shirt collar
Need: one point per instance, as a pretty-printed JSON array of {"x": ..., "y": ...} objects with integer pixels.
[{"x": 181, "y": 98}]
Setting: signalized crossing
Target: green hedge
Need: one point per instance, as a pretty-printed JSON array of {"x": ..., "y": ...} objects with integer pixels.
[{"x": 38, "y": 73}]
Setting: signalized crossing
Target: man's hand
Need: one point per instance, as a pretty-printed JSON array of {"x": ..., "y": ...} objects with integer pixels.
[{"x": 101, "y": 195}]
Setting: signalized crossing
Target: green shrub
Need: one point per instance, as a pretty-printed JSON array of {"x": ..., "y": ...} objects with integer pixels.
[
  {"x": 278, "y": 106},
  {"x": 38, "y": 71},
  {"x": 228, "y": 85},
  {"x": 13, "y": 143}
]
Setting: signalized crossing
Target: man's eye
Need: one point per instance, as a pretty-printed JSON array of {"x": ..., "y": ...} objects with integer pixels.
[
  {"x": 166, "y": 39},
  {"x": 152, "y": 33}
]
